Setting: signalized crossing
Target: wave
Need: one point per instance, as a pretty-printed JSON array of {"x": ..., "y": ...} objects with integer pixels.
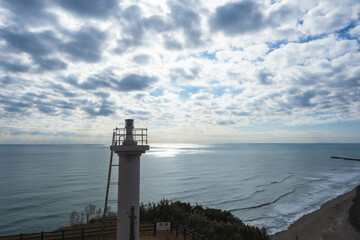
[
  {"x": 314, "y": 179},
  {"x": 254, "y": 219},
  {"x": 187, "y": 178},
  {"x": 276, "y": 181},
  {"x": 233, "y": 200},
  {"x": 193, "y": 190},
  {"x": 264, "y": 204},
  {"x": 250, "y": 178},
  {"x": 24, "y": 207}
]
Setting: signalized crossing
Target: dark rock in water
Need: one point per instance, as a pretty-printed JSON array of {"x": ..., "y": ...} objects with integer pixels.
[{"x": 354, "y": 211}]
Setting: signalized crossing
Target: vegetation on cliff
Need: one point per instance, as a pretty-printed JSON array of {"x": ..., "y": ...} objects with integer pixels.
[{"x": 215, "y": 224}]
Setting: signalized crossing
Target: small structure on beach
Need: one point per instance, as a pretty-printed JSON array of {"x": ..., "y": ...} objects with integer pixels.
[{"x": 128, "y": 143}]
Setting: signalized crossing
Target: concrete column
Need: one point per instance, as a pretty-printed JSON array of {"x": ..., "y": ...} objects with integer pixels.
[{"x": 128, "y": 194}]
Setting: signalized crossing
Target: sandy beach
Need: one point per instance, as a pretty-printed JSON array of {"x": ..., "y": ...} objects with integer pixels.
[{"x": 330, "y": 222}]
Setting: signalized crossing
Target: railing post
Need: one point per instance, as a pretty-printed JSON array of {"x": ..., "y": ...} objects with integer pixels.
[
  {"x": 177, "y": 229},
  {"x": 155, "y": 228},
  {"x": 42, "y": 235},
  {"x": 82, "y": 234},
  {"x": 62, "y": 234},
  {"x": 184, "y": 232},
  {"x": 20, "y": 237},
  {"x": 102, "y": 232}
]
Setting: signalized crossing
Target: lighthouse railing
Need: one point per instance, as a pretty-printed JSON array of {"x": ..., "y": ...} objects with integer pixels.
[{"x": 139, "y": 135}]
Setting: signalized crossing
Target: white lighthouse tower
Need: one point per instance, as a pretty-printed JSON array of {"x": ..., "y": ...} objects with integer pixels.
[{"x": 129, "y": 143}]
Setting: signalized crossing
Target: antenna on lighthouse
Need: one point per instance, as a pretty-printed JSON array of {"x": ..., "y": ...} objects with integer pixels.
[{"x": 128, "y": 143}]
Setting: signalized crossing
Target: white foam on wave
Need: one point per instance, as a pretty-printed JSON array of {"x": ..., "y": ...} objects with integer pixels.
[
  {"x": 342, "y": 177},
  {"x": 320, "y": 191}
]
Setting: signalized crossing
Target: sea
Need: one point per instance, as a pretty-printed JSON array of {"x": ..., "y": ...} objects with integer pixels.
[{"x": 265, "y": 185}]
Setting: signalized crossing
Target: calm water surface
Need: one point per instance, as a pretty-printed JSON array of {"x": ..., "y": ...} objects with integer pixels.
[{"x": 269, "y": 185}]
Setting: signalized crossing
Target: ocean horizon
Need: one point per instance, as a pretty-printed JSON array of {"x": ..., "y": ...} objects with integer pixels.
[{"x": 268, "y": 185}]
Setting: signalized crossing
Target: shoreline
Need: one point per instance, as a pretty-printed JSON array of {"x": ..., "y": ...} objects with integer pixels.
[{"x": 330, "y": 222}]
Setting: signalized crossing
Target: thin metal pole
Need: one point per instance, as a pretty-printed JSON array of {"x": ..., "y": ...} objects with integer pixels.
[
  {"x": 132, "y": 222},
  {"x": 184, "y": 232},
  {"x": 108, "y": 184},
  {"x": 177, "y": 229}
]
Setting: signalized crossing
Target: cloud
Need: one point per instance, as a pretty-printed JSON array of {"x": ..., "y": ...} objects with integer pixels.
[
  {"x": 142, "y": 59},
  {"x": 38, "y": 45},
  {"x": 303, "y": 99},
  {"x": 157, "y": 23},
  {"x": 59, "y": 88},
  {"x": 35, "y": 44},
  {"x": 222, "y": 66},
  {"x": 132, "y": 28},
  {"x": 134, "y": 82},
  {"x": 85, "y": 45},
  {"x": 11, "y": 66},
  {"x": 28, "y": 102},
  {"x": 182, "y": 74},
  {"x": 238, "y": 18},
  {"x": 90, "y": 8},
  {"x": 327, "y": 17},
  {"x": 14, "y": 106},
  {"x": 92, "y": 83},
  {"x": 355, "y": 32},
  {"x": 104, "y": 109},
  {"x": 29, "y": 12},
  {"x": 48, "y": 64},
  {"x": 172, "y": 44},
  {"x": 128, "y": 83},
  {"x": 136, "y": 27},
  {"x": 187, "y": 19},
  {"x": 103, "y": 95},
  {"x": 224, "y": 123},
  {"x": 264, "y": 77},
  {"x": 7, "y": 80},
  {"x": 45, "y": 108},
  {"x": 137, "y": 112},
  {"x": 241, "y": 113}
]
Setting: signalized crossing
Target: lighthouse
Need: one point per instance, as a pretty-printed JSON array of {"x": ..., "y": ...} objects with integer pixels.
[{"x": 129, "y": 143}]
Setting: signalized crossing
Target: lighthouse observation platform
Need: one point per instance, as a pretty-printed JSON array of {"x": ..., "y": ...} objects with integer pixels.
[{"x": 138, "y": 142}]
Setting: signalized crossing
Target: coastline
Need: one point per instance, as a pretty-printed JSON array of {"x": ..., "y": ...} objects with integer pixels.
[{"x": 330, "y": 222}]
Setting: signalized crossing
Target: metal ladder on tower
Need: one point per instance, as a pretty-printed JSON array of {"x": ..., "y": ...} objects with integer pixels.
[{"x": 107, "y": 217}]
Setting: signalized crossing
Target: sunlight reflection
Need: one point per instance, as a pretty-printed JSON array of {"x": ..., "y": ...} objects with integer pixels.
[{"x": 171, "y": 150}]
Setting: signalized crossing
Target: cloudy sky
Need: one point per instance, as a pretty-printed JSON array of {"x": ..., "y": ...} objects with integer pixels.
[{"x": 190, "y": 71}]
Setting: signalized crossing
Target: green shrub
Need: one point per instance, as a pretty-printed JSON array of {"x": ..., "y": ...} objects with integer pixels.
[{"x": 215, "y": 224}]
